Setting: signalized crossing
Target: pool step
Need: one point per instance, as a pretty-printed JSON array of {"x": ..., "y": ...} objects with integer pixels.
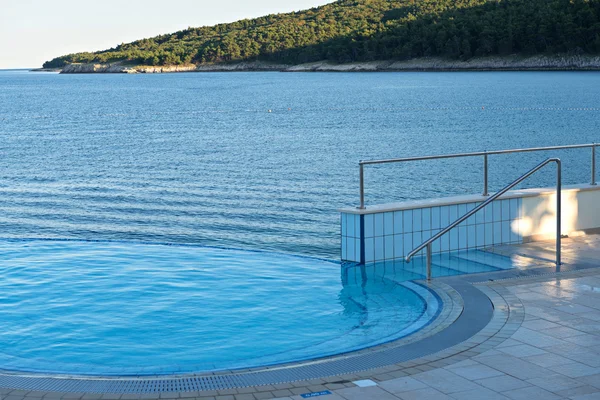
[
  {"x": 458, "y": 263},
  {"x": 446, "y": 264},
  {"x": 464, "y": 265},
  {"x": 486, "y": 258}
]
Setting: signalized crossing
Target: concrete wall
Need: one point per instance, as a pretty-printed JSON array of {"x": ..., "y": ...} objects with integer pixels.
[
  {"x": 391, "y": 231},
  {"x": 580, "y": 213}
]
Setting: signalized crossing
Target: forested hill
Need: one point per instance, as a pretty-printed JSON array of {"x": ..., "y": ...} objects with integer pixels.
[{"x": 368, "y": 30}]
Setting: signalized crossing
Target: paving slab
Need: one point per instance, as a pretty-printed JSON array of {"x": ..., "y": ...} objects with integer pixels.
[
  {"x": 503, "y": 383},
  {"x": 401, "y": 385},
  {"x": 555, "y": 383}
]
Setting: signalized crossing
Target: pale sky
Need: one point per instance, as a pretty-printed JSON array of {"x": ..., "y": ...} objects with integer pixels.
[{"x": 34, "y": 31}]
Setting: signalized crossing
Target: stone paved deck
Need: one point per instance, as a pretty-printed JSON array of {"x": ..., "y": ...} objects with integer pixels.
[
  {"x": 542, "y": 343},
  {"x": 553, "y": 354}
]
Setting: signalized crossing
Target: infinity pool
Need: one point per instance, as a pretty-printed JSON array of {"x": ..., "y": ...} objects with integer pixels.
[{"x": 106, "y": 308}]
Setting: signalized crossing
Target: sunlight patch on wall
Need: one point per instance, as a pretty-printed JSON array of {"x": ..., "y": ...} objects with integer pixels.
[{"x": 539, "y": 215}]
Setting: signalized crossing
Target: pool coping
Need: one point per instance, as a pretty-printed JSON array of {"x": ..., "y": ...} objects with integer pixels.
[{"x": 463, "y": 199}]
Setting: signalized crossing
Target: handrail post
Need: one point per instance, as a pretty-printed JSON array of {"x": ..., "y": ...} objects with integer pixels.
[
  {"x": 428, "y": 261},
  {"x": 558, "y": 211},
  {"x": 593, "y": 164},
  {"x": 362, "y": 186},
  {"x": 485, "y": 175}
]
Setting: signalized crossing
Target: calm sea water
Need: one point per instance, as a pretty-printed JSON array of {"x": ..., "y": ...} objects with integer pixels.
[{"x": 198, "y": 158}]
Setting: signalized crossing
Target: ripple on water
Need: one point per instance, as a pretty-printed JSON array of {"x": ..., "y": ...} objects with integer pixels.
[{"x": 121, "y": 307}]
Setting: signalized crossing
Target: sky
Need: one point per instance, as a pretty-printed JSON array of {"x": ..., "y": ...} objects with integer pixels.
[{"x": 35, "y": 31}]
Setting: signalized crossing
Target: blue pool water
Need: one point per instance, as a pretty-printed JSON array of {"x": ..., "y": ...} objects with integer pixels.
[{"x": 123, "y": 308}]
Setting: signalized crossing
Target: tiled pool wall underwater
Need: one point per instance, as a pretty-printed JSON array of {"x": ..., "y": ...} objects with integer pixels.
[{"x": 389, "y": 232}]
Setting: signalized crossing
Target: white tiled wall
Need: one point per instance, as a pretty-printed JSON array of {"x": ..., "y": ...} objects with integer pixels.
[
  {"x": 350, "y": 237},
  {"x": 392, "y": 235}
]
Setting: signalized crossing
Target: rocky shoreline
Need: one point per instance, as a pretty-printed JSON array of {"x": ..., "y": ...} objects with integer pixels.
[{"x": 511, "y": 63}]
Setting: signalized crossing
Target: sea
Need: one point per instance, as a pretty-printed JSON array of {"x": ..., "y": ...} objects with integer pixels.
[{"x": 265, "y": 160}]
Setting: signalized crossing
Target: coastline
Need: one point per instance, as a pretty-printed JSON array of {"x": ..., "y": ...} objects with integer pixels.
[
  {"x": 55, "y": 70},
  {"x": 507, "y": 63}
]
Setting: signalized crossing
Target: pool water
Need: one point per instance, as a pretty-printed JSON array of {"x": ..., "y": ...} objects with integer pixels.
[{"x": 115, "y": 308}]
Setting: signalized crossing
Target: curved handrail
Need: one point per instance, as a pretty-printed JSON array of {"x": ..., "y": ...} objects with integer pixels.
[{"x": 460, "y": 220}]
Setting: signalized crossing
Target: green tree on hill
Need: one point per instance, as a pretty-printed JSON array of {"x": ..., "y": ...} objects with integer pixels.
[{"x": 366, "y": 30}]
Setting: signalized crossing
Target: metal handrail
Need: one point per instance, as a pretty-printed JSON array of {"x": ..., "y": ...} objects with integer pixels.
[
  {"x": 483, "y": 154},
  {"x": 459, "y": 221}
]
